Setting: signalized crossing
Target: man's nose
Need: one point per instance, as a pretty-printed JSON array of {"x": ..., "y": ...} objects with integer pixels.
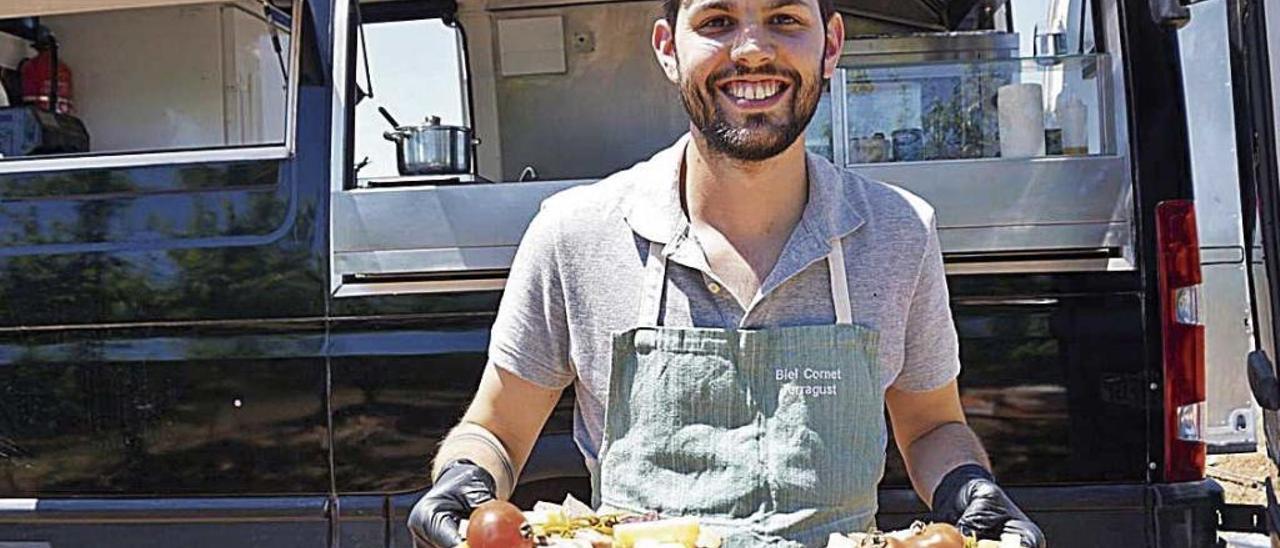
[{"x": 750, "y": 47}]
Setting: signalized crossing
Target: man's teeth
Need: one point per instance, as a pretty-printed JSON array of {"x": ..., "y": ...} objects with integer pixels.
[{"x": 754, "y": 90}]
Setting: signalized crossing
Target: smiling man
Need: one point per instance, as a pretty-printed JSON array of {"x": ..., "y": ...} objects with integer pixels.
[{"x": 735, "y": 315}]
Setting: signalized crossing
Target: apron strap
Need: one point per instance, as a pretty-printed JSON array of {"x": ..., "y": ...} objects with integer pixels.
[
  {"x": 655, "y": 267},
  {"x": 839, "y": 284}
]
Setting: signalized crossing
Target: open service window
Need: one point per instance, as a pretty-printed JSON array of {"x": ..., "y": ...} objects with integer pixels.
[
  {"x": 145, "y": 82},
  {"x": 1008, "y": 116}
]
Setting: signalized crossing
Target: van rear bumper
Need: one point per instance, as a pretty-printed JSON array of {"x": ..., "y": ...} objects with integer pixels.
[{"x": 1161, "y": 515}]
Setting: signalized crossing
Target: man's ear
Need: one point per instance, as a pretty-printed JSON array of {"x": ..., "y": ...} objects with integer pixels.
[
  {"x": 833, "y": 45},
  {"x": 664, "y": 48}
]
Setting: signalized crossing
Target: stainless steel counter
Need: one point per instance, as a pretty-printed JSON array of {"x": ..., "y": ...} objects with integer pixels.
[
  {"x": 998, "y": 206},
  {"x": 1044, "y": 214},
  {"x": 430, "y": 231}
]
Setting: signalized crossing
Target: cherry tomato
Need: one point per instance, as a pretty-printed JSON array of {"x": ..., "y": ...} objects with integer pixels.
[
  {"x": 936, "y": 535},
  {"x": 498, "y": 524}
]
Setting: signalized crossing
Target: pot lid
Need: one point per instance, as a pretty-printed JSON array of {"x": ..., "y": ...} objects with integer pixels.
[{"x": 432, "y": 122}]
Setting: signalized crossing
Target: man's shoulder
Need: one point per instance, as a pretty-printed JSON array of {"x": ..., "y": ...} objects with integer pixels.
[
  {"x": 584, "y": 217},
  {"x": 606, "y": 200},
  {"x": 885, "y": 203},
  {"x": 592, "y": 200}
]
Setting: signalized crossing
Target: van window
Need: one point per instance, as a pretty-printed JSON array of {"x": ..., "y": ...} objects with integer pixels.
[
  {"x": 408, "y": 82},
  {"x": 1071, "y": 20},
  {"x": 1023, "y": 82},
  {"x": 195, "y": 76}
]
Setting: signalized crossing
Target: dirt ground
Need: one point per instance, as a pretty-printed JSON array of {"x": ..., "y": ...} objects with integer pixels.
[{"x": 1241, "y": 476}]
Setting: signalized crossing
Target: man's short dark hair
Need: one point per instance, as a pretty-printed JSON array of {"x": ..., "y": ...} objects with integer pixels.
[{"x": 669, "y": 8}]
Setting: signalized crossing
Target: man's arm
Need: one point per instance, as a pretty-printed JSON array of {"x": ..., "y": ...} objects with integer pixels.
[
  {"x": 511, "y": 409},
  {"x": 949, "y": 469},
  {"x": 930, "y": 430},
  {"x": 529, "y": 366},
  {"x": 480, "y": 460}
]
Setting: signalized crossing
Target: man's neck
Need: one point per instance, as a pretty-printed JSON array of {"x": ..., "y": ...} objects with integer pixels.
[
  {"x": 743, "y": 213},
  {"x": 745, "y": 200}
]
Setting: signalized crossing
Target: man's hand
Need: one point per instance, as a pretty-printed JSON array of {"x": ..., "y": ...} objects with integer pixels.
[
  {"x": 461, "y": 487},
  {"x": 969, "y": 497}
]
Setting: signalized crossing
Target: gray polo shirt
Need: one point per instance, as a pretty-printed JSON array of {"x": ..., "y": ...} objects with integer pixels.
[{"x": 577, "y": 277}]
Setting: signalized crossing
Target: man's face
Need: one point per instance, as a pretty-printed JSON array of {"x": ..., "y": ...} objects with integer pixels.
[{"x": 750, "y": 72}]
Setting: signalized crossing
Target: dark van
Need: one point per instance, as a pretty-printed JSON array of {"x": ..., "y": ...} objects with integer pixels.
[{"x": 238, "y": 307}]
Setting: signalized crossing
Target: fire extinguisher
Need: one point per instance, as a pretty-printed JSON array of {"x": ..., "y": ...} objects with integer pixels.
[{"x": 42, "y": 85}]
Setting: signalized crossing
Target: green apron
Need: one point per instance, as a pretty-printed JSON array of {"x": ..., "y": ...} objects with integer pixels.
[{"x": 774, "y": 437}]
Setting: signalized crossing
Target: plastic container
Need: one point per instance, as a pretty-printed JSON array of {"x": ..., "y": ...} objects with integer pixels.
[
  {"x": 1074, "y": 118},
  {"x": 1021, "y": 120}
]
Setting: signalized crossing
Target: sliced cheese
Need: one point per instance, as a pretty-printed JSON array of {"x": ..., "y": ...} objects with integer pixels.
[
  {"x": 682, "y": 532},
  {"x": 546, "y": 518},
  {"x": 836, "y": 540}
]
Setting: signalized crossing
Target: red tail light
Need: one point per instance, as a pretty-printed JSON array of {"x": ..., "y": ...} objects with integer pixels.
[{"x": 1184, "y": 392}]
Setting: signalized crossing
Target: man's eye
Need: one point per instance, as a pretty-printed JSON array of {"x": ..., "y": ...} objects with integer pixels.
[
  {"x": 785, "y": 20},
  {"x": 715, "y": 23}
]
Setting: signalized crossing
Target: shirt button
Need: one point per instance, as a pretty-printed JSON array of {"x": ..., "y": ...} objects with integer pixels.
[{"x": 714, "y": 287}]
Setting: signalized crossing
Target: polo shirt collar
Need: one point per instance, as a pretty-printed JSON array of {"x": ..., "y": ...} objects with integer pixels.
[
  {"x": 652, "y": 205},
  {"x": 829, "y": 213},
  {"x": 828, "y": 216},
  {"x": 652, "y": 209}
]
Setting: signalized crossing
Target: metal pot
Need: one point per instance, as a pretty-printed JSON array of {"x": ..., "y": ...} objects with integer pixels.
[{"x": 432, "y": 149}]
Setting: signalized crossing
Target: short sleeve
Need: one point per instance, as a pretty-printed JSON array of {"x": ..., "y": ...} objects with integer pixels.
[
  {"x": 931, "y": 354},
  {"x": 530, "y": 336}
]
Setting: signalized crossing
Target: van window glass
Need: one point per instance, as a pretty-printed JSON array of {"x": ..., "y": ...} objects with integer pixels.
[
  {"x": 187, "y": 77},
  {"x": 407, "y": 81},
  {"x": 817, "y": 137},
  {"x": 1070, "y": 19},
  {"x": 1025, "y": 81}
]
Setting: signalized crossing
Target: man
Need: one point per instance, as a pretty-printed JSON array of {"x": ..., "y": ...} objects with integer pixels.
[{"x": 736, "y": 316}]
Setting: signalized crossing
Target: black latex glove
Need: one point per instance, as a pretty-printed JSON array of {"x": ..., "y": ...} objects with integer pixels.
[
  {"x": 461, "y": 487},
  {"x": 969, "y": 497}
]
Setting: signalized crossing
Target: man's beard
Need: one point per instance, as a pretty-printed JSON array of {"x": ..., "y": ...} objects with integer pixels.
[{"x": 759, "y": 138}]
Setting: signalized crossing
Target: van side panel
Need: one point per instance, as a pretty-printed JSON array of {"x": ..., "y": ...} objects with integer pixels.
[
  {"x": 163, "y": 336},
  {"x": 163, "y": 378},
  {"x": 194, "y": 410},
  {"x": 1053, "y": 378},
  {"x": 404, "y": 370},
  {"x": 163, "y": 327}
]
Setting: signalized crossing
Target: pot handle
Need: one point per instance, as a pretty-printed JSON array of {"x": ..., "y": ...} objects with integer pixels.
[{"x": 394, "y": 136}]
